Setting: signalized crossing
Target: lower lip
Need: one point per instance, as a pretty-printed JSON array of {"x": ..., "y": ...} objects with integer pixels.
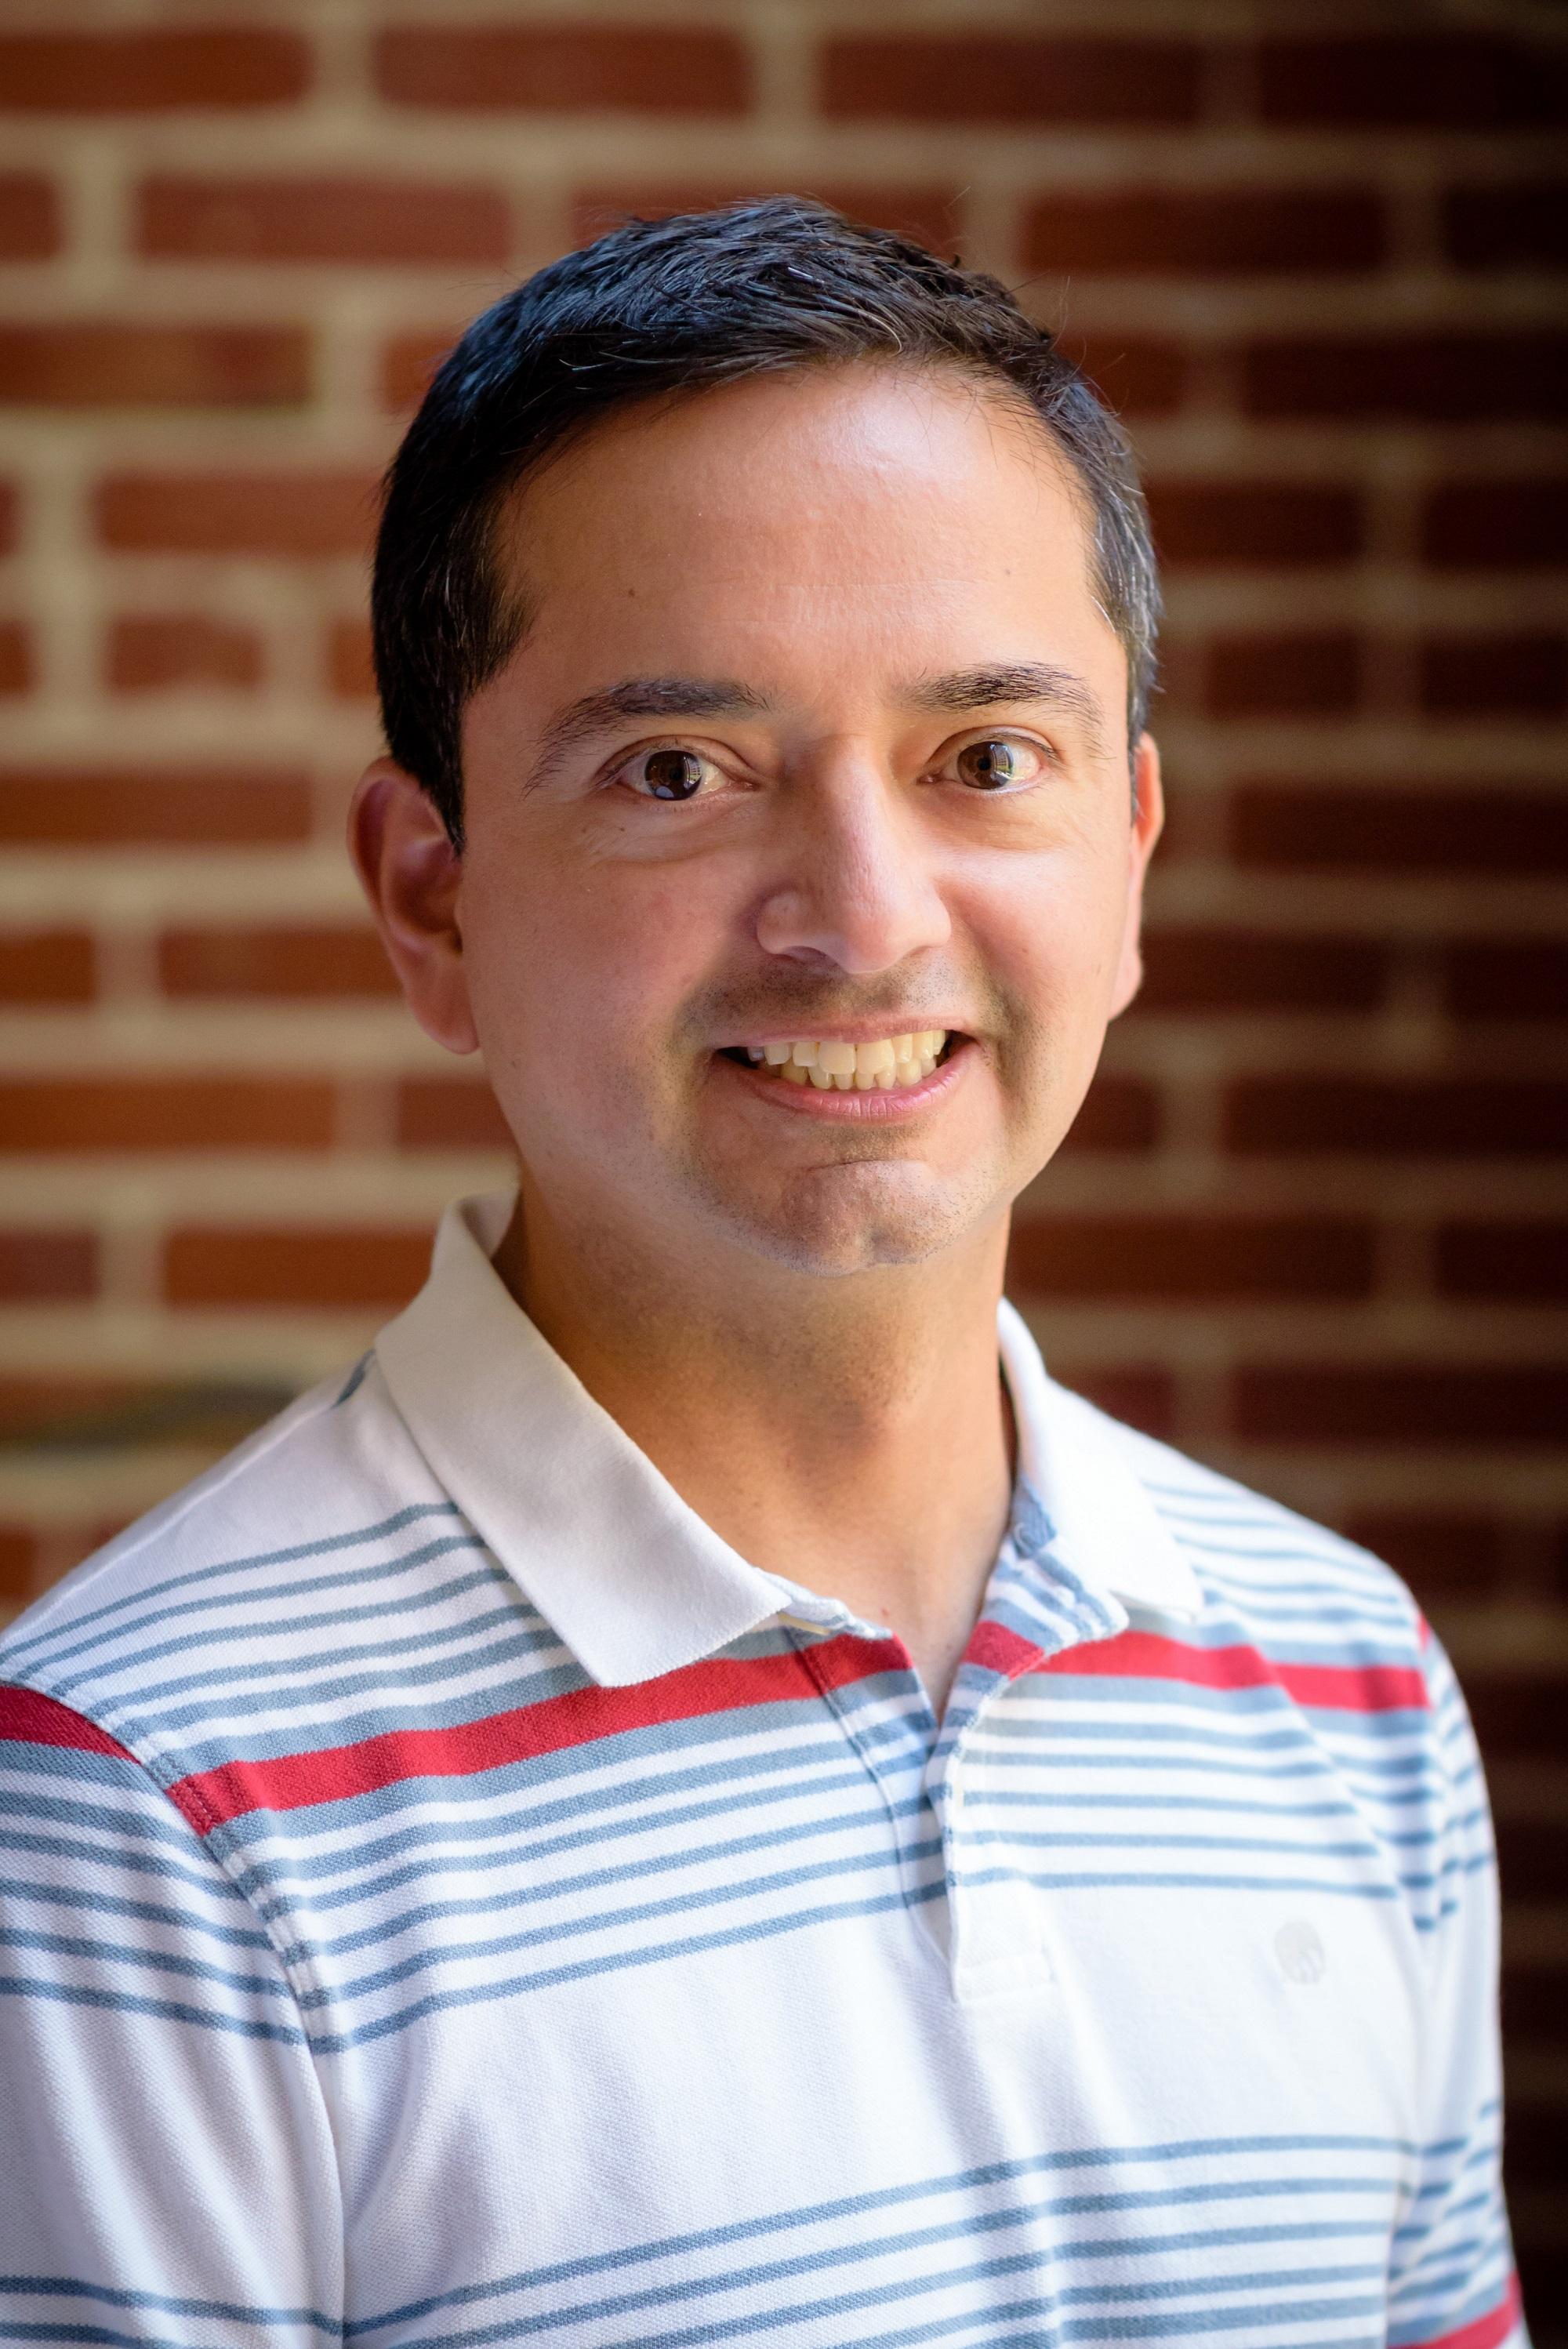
[{"x": 887, "y": 1106}]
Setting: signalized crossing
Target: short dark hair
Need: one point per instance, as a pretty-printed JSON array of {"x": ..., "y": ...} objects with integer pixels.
[{"x": 678, "y": 304}]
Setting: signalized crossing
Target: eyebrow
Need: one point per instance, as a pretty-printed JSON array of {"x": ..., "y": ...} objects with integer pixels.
[
  {"x": 982, "y": 689},
  {"x": 638, "y": 698}
]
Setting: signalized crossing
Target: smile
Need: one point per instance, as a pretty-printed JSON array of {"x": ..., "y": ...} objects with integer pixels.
[{"x": 890, "y": 1064}]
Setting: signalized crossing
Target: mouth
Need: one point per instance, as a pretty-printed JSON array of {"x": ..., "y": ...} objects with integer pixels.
[{"x": 886, "y": 1064}]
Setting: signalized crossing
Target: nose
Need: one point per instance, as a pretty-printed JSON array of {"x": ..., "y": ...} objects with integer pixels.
[{"x": 859, "y": 886}]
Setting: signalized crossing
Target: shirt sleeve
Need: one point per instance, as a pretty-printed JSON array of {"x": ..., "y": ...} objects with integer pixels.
[
  {"x": 1452, "y": 2284},
  {"x": 167, "y": 2170}
]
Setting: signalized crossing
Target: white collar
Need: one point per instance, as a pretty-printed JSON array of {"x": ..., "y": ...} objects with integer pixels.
[{"x": 634, "y": 1582}]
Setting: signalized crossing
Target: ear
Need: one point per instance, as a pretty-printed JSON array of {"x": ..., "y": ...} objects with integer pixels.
[
  {"x": 413, "y": 877},
  {"x": 1148, "y": 821}
]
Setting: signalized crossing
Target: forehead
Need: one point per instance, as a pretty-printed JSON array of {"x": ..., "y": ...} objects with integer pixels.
[{"x": 853, "y": 516}]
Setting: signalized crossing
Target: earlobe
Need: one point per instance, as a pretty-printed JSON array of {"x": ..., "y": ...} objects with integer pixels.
[{"x": 412, "y": 876}]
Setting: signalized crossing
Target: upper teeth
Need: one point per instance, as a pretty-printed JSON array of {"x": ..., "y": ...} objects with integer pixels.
[{"x": 831, "y": 1060}]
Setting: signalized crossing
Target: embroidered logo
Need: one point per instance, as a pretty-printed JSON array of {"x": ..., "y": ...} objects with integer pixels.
[{"x": 1301, "y": 1953}]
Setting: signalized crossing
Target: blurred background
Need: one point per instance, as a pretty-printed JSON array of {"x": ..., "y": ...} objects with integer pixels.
[{"x": 1312, "y": 1223}]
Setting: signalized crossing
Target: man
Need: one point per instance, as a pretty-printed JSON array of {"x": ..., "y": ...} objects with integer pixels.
[{"x": 696, "y": 1795}]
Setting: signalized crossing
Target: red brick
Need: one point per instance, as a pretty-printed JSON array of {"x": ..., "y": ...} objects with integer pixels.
[
  {"x": 448, "y": 1113},
  {"x": 16, "y": 657},
  {"x": 363, "y": 222},
  {"x": 1449, "y": 378},
  {"x": 1141, "y": 1393},
  {"x": 1506, "y": 979},
  {"x": 1515, "y": 676},
  {"x": 1519, "y": 226},
  {"x": 156, "y": 650},
  {"x": 18, "y": 1563},
  {"x": 29, "y": 217},
  {"x": 47, "y": 967},
  {"x": 1144, "y": 232},
  {"x": 407, "y": 364},
  {"x": 1525, "y": 1263},
  {"x": 208, "y": 1265},
  {"x": 983, "y": 75},
  {"x": 1497, "y": 525},
  {"x": 1253, "y": 522},
  {"x": 151, "y": 71},
  {"x": 1365, "y": 826},
  {"x": 1437, "y": 79},
  {"x": 350, "y": 670},
  {"x": 1305, "y": 676},
  {"x": 1138, "y": 375},
  {"x": 116, "y": 364},
  {"x": 1440, "y": 1553},
  {"x": 1221, "y": 970},
  {"x": 1369, "y": 1117},
  {"x": 597, "y": 68},
  {"x": 1191, "y": 1257},
  {"x": 308, "y": 513},
  {"x": 56, "y": 1267},
  {"x": 142, "y": 807},
  {"x": 929, "y": 215},
  {"x": 1532, "y": 1855},
  {"x": 154, "y": 1111},
  {"x": 79, "y": 1414},
  {"x": 299, "y": 964},
  {"x": 1535, "y": 2000},
  {"x": 1403, "y": 1402},
  {"x": 1517, "y": 1712},
  {"x": 1120, "y": 1113}
]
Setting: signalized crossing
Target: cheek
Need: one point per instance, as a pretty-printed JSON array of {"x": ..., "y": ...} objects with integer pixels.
[
  {"x": 593, "y": 961},
  {"x": 1051, "y": 932}
]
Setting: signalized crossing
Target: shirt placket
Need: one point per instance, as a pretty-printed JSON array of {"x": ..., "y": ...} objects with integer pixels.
[{"x": 1036, "y": 1607}]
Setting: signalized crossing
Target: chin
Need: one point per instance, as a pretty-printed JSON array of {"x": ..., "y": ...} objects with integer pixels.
[{"x": 858, "y": 1217}]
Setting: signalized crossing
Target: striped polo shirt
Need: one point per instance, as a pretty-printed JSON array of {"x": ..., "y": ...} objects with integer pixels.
[{"x": 450, "y": 1898}]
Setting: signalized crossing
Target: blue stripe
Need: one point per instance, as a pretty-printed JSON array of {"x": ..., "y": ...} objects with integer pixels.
[
  {"x": 135, "y": 1661},
  {"x": 127, "y": 1953},
  {"x": 145, "y": 1912},
  {"x": 860, "y": 2206},
  {"x": 327, "y": 1545},
  {"x": 233, "y": 2311},
  {"x": 161, "y": 2009},
  {"x": 533, "y": 1894},
  {"x": 640, "y": 1912},
  {"x": 292, "y": 1668}
]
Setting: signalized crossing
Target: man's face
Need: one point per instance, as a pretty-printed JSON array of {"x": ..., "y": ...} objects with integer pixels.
[{"x": 847, "y": 616}]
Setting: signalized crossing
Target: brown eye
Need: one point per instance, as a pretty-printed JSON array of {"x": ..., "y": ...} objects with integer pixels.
[
  {"x": 985, "y": 765},
  {"x": 672, "y": 774}
]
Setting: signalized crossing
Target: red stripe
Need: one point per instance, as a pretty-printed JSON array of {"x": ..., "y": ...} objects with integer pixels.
[
  {"x": 1001, "y": 1650},
  {"x": 1487, "y": 2330},
  {"x": 1144, "y": 1655},
  {"x": 34, "y": 1720},
  {"x": 720, "y": 1685}
]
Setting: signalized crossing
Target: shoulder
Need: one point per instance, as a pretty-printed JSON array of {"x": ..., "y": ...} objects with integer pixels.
[
  {"x": 1257, "y": 1559},
  {"x": 330, "y": 1505}
]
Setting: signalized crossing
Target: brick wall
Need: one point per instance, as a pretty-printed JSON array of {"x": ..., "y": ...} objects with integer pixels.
[{"x": 1312, "y": 1223}]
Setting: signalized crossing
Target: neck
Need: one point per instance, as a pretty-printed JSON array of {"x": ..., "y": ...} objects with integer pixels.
[{"x": 852, "y": 1435}]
